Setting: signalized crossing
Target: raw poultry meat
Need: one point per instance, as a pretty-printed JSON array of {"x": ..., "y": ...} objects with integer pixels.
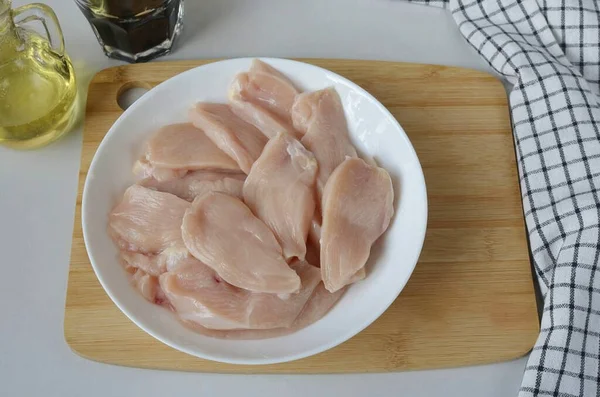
[
  {"x": 183, "y": 146},
  {"x": 196, "y": 183},
  {"x": 201, "y": 297},
  {"x": 177, "y": 148},
  {"x": 320, "y": 116},
  {"x": 241, "y": 261},
  {"x": 146, "y": 225},
  {"x": 221, "y": 231},
  {"x": 318, "y": 305},
  {"x": 279, "y": 191},
  {"x": 154, "y": 264},
  {"x": 259, "y": 117},
  {"x": 146, "y": 284},
  {"x": 240, "y": 140},
  {"x": 357, "y": 209},
  {"x": 267, "y": 87},
  {"x": 147, "y": 221},
  {"x": 264, "y": 97},
  {"x": 142, "y": 169}
]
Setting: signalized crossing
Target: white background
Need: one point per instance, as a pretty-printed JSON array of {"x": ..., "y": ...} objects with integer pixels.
[{"x": 38, "y": 190}]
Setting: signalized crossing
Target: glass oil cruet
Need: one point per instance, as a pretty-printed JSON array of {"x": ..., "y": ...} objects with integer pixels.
[{"x": 37, "y": 82}]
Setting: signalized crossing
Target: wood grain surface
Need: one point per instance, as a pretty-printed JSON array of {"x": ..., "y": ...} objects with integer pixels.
[{"x": 470, "y": 299}]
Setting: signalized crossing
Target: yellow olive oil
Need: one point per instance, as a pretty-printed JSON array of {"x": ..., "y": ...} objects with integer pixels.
[{"x": 37, "y": 91}]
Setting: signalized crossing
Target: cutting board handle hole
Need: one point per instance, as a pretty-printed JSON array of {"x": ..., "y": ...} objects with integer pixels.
[{"x": 131, "y": 92}]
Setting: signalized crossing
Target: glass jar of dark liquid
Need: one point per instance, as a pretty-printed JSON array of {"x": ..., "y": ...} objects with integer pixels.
[{"x": 134, "y": 30}]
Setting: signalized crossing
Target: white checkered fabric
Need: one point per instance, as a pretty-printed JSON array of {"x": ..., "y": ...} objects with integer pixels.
[{"x": 550, "y": 51}]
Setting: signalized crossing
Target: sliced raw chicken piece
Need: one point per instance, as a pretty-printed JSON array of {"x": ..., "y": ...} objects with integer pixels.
[
  {"x": 264, "y": 97},
  {"x": 146, "y": 284},
  {"x": 176, "y": 149},
  {"x": 147, "y": 221},
  {"x": 142, "y": 169},
  {"x": 259, "y": 117},
  {"x": 357, "y": 209},
  {"x": 280, "y": 191},
  {"x": 265, "y": 86},
  {"x": 321, "y": 116},
  {"x": 240, "y": 140},
  {"x": 196, "y": 183},
  {"x": 150, "y": 264},
  {"x": 319, "y": 304},
  {"x": 221, "y": 231},
  {"x": 201, "y": 297},
  {"x": 183, "y": 146},
  {"x": 155, "y": 265}
]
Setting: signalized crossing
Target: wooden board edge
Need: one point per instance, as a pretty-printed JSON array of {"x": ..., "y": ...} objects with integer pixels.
[
  {"x": 68, "y": 295},
  {"x": 260, "y": 370},
  {"x": 108, "y": 74}
]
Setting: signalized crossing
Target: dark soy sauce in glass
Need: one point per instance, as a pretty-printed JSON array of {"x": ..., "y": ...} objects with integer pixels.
[{"x": 134, "y": 30}]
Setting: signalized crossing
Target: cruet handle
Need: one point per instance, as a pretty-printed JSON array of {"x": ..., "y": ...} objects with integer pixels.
[{"x": 44, "y": 14}]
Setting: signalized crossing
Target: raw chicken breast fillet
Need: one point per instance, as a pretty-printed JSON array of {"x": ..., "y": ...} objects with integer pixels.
[
  {"x": 147, "y": 221},
  {"x": 318, "y": 305},
  {"x": 197, "y": 183},
  {"x": 201, "y": 297},
  {"x": 320, "y": 116},
  {"x": 259, "y": 117},
  {"x": 357, "y": 209},
  {"x": 264, "y": 97},
  {"x": 270, "y": 89},
  {"x": 178, "y": 148},
  {"x": 221, "y": 231},
  {"x": 146, "y": 284},
  {"x": 154, "y": 264},
  {"x": 240, "y": 140},
  {"x": 280, "y": 191},
  {"x": 143, "y": 169}
]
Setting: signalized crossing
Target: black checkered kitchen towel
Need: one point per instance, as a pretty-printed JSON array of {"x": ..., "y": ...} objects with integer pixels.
[{"x": 550, "y": 51}]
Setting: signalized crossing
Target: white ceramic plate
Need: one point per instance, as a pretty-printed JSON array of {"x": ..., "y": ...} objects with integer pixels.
[{"x": 374, "y": 132}]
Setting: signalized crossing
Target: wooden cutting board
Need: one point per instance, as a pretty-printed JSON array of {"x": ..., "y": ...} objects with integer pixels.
[{"x": 470, "y": 299}]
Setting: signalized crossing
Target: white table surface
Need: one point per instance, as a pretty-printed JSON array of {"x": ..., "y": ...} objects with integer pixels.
[{"x": 38, "y": 189}]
